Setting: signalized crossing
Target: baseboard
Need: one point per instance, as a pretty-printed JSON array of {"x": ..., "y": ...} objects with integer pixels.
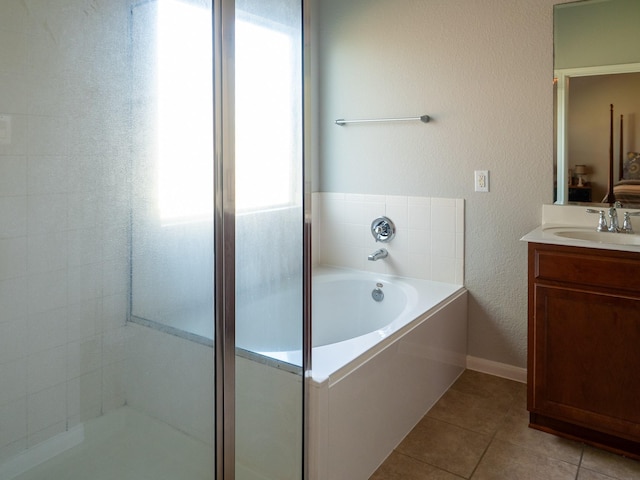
[
  {"x": 496, "y": 368},
  {"x": 41, "y": 452}
]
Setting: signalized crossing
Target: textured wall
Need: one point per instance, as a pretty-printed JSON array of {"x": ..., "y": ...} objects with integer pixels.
[{"x": 483, "y": 70}]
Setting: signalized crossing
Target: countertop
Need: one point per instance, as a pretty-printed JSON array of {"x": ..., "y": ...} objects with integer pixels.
[
  {"x": 548, "y": 233},
  {"x": 565, "y": 219}
]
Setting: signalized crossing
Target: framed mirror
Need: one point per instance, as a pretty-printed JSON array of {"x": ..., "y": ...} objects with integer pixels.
[{"x": 595, "y": 51}]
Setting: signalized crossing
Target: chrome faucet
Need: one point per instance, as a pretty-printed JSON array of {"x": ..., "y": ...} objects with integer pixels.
[
  {"x": 378, "y": 254},
  {"x": 614, "y": 227}
]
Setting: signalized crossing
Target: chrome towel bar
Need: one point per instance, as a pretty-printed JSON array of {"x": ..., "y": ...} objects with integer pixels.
[{"x": 422, "y": 118}]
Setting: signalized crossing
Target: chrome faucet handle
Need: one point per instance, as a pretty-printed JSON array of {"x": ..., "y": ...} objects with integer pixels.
[
  {"x": 626, "y": 225},
  {"x": 602, "y": 221},
  {"x": 383, "y": 229}
]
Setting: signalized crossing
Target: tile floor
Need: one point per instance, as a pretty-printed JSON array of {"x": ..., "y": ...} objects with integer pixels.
[{"x": 478, "y": 430}]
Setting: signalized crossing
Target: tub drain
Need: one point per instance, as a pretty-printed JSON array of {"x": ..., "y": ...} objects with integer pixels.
[{"x": 377, "y": 294}]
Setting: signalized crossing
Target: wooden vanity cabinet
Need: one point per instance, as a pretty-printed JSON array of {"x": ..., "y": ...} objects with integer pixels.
[{"x": 584, "y": 345}]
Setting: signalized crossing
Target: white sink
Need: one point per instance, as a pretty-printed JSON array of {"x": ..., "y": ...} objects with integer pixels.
[{"x": 577, "y": 233}]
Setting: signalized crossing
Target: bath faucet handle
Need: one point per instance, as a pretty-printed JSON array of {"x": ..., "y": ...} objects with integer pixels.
[
  {"x": 382, "y": 229},
  {"x": 626, "y": 225},
  {"x": 602, "y": 221}
]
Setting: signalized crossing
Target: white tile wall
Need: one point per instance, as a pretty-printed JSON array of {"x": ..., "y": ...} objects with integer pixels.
[
  {"x": 171, "y": 379},
  {"x": 429, "y": 241},
  {"x": 64, "y": 220},
  {"x": 270, "y": 424}
]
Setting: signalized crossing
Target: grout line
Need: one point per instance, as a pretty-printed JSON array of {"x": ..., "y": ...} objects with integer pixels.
[
  {"x": 493, "y": 437},
  {"x": 429, "y": 464},
  {"x": 580, "y": 463}
]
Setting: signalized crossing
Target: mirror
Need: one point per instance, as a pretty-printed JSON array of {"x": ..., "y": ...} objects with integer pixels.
[{"x": 596, "y": 64}]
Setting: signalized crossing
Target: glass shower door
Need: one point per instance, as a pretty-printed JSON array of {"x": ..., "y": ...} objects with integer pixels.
[{"x": 269, "y": 239}]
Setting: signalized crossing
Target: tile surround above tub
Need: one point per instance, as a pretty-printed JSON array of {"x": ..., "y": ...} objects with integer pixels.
[{"x": 429, "y": 241}]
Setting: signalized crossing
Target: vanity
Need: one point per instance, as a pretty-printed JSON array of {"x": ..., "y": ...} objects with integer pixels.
[{"x": 584, "y": 331}]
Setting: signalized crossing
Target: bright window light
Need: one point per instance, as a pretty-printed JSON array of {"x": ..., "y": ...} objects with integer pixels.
[
  {"x": 266, "y": 110},
  {"x": 185, "y": 111},
  {"x": 265, "y": 115}
]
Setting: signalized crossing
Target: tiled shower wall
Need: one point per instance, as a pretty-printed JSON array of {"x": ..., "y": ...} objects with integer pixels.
[
  {"x": 429, "y": 241},
  {"x": 63, "y": 217}
]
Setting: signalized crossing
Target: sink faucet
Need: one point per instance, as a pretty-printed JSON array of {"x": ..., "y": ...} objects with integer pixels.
[
  {"x": 602, "y": 221},
  {"x": 613, "y": 216},
  {"x": 614, "y": 226},
  {"x": 378, "y": 254}
]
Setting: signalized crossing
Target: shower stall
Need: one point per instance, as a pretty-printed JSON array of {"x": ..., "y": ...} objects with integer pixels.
[{"x": 152, "y": 229}]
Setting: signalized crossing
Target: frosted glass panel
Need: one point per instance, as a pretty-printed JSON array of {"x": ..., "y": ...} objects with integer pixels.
[
  {"x": 84, "y": 205},
  {"x": 172, "y": 237},
  {"x": 269, "y": 248}
]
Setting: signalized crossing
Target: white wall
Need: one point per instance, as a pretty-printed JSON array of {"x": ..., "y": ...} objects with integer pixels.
[{"x": 483, "y": 70}]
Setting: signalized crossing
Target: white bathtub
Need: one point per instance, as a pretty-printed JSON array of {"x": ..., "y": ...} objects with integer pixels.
[
  {"x": 347, "y": 322},
  {"x": 380, "y": 366}
]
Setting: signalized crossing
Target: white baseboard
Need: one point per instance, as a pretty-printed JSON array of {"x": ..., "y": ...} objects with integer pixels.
[
  {"x": 41, "y": 452},
  {"x": 496, "y": 368}
]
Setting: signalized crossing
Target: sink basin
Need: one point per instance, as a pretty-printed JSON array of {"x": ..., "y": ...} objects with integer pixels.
[{"x": 595, "y": 236}]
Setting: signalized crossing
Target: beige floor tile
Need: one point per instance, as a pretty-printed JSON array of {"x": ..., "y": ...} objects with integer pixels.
[
  {"x": 584, "y": 474},
  {"x": 456, "y": 436},
  {"x": 515, "y": 430},
  {"x": 504, "y": 461},
  {"x": 445, "y": 446},
  {"x": 615, "y": 466},
  {"x": 520, "y": 396},
  {"x": 478, "y": 413},
  {"x": 502, "y": 391},
  {"x": 401, "y": 467}
]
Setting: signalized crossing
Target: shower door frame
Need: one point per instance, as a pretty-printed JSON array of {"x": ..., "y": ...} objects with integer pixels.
[{"x": 223, "y": 21}]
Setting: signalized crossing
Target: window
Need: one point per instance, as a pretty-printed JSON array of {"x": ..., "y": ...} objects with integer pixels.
[
  {"x": 185, "y": 111},
  {"x": 267, "y": 109},
  {"x": 267, "y": 113}
]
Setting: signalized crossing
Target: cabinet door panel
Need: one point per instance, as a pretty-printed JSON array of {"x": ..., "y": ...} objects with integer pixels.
[{"x": 587, "y": 359}]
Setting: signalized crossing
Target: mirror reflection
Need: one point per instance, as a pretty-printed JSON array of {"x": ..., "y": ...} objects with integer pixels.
[{"x": 597, "y": 77}]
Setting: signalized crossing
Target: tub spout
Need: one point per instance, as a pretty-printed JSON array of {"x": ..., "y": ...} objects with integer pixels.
[{"x": 378, "y": 254}]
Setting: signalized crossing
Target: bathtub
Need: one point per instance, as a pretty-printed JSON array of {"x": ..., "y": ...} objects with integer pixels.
[
  {"x": 347, "y": 321},
  {"x": 378, "y": 367}
]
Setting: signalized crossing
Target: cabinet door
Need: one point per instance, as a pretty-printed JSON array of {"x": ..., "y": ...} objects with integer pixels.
[{"x": 587, "y": 359}]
